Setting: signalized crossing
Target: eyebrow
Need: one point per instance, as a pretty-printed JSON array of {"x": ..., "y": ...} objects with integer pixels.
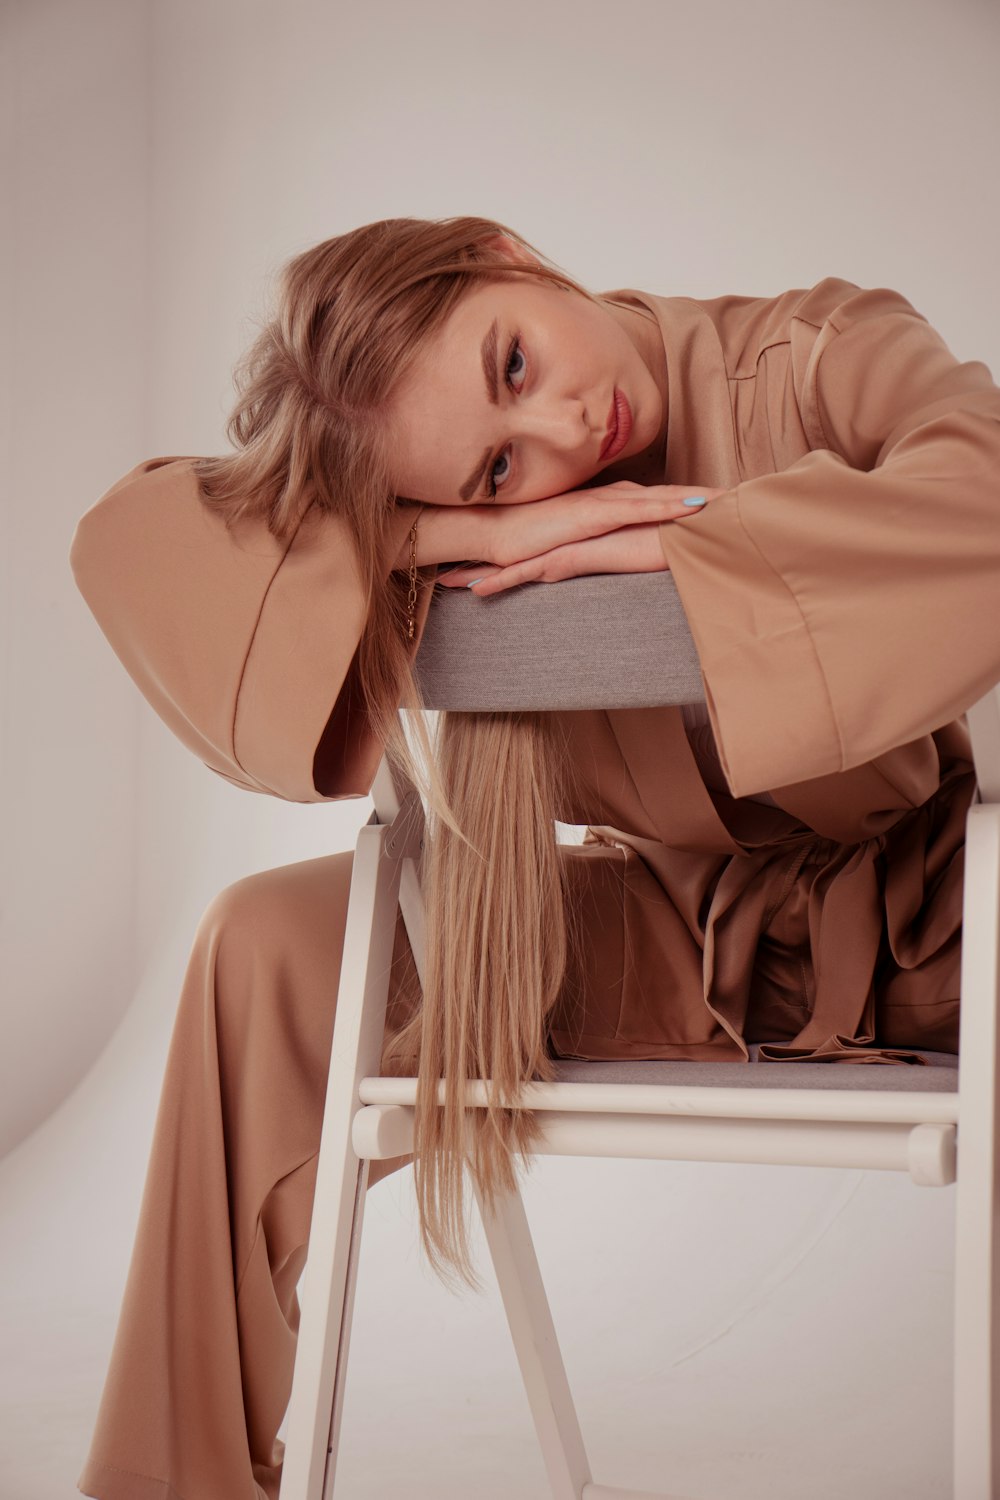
[{"x": 488, "y": 355}]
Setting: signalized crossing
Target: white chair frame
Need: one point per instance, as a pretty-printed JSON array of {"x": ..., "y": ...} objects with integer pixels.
[{"x": 937, "y": 1137}]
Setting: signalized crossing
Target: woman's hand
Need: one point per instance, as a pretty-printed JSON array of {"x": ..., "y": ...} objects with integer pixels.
[
  {"x": 630, "y": 549},
  {"x": 508, "y": 534},
  {"x": 612, "y": 529},
  {"x": 518, "y": 532}
]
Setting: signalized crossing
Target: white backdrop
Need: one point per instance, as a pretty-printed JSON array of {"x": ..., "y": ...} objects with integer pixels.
[{"x": 161, "y": 160}]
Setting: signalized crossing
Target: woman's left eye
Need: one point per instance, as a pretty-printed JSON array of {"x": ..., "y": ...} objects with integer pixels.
[
  {"x": 499, "y": 473},
  {"x": 516, "y": 366}
]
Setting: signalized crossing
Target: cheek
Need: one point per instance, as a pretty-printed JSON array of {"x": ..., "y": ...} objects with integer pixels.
[
  {"x": 411, "y": 457},
  {"x": 420, "y": 478},
  {"x": 433, "y": 443}
]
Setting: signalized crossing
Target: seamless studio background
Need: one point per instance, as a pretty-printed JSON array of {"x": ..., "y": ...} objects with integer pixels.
[{"x": 726, "y": 1329}]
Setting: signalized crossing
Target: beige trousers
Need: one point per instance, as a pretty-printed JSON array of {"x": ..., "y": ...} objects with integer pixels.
[
  {"x": 200, "y": 1372},
  {"x": 201, "y": 1367}
]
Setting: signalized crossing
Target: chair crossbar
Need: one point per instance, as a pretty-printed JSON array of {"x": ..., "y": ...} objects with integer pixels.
[
  {"x": 926, "y": 1151},
  {"x": 848, "y": 1105}
]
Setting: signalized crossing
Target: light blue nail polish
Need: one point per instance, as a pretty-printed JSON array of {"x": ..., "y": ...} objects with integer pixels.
[
  {"x": 475, "y": 580},
  {"x": 695, "y": 500}
]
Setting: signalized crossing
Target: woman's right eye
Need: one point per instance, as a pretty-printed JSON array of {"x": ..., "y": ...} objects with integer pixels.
[{"x": 500, "y": 473}]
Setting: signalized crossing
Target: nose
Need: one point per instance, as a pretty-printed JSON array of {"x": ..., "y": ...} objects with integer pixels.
[{"x": 562, "y": 425}]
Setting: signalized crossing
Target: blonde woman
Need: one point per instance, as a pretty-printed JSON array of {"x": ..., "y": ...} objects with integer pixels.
[{"x": 783, "y": 869}]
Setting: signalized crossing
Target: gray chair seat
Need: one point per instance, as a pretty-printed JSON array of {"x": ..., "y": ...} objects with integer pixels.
[{"x": 940, "y": 1076}]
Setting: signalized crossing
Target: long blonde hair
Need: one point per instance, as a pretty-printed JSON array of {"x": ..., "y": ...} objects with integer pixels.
[{"x": 309, "y": 426}]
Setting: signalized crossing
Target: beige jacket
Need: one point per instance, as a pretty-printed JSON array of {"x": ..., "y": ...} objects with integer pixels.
[{"x": 843, "y": 596}]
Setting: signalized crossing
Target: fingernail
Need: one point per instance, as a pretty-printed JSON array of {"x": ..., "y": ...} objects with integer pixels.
[
  {"x": 474, "y": 581},
  {"x": 695, "y": 500}
]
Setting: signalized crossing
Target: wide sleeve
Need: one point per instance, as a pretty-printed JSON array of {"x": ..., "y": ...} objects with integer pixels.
[
  {"x": 243, "y": 644},
  {"x": 850, "y": 603}
]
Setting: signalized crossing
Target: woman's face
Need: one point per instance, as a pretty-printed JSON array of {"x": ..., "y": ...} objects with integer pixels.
[{"x": 527, "y": 391}]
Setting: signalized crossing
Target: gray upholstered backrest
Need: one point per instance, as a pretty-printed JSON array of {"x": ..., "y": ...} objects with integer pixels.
[{"x": 612, "y": 640}]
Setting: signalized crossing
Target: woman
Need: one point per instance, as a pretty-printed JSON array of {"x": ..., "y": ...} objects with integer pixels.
[{"x": 787, "y": 870}]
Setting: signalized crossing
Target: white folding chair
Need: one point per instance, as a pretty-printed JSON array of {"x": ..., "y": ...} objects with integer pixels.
[{"x": 940, "y": 1128}]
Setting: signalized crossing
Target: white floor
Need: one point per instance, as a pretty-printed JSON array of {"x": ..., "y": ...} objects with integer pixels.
[{"x": 731, "y": 1332}]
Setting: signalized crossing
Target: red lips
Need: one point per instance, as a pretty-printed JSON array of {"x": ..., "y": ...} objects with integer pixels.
[{"x": 619, "y": 426}]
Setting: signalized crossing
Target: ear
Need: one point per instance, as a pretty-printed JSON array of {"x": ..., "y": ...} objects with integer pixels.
[{"x": 511, "y": 250}]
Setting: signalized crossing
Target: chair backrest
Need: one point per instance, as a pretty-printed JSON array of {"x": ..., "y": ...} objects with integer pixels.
[{"x": 608, "y": 641}]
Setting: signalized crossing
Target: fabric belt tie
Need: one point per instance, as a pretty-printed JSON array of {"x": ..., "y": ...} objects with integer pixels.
[{"x": 845, "y": 895}]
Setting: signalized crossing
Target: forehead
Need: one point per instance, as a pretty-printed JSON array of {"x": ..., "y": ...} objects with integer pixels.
[
  {"x": 459, "y": 338},
  {"x": 462, "y": 333},
  {"x": 452, "y": 356},
  {"x": 445, "y": 381}
]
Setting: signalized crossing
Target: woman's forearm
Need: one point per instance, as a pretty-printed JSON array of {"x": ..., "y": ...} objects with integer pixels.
[{"x": 446, "y": 533}]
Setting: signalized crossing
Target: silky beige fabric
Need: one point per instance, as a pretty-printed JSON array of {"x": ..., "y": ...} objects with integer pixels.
[
  {"x": 867, "y": 571},
  {"x": 201, "y": 1367},
  {"x": 243, "y": 644}
]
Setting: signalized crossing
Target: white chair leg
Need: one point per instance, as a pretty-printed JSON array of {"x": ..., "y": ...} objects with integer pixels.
[
  {"x": 534, "y": 1336},
  {"x": 977, "y": 1244},
  {"x": 533, "y": 1332},
  {"x": 347, "y": 1323},
  {"x": 327, "y": 1289}
]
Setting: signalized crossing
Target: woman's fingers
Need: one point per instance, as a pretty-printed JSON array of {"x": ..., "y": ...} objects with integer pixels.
[
  {"x": 461, "y": 577},
  {"x": 630, "y": 549},
  {"x": 626, "y": 489},
  {"x": 673, "y": 491},
  {"x": 549, "y": 567},
  {"x": 521, "y": 531}
]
